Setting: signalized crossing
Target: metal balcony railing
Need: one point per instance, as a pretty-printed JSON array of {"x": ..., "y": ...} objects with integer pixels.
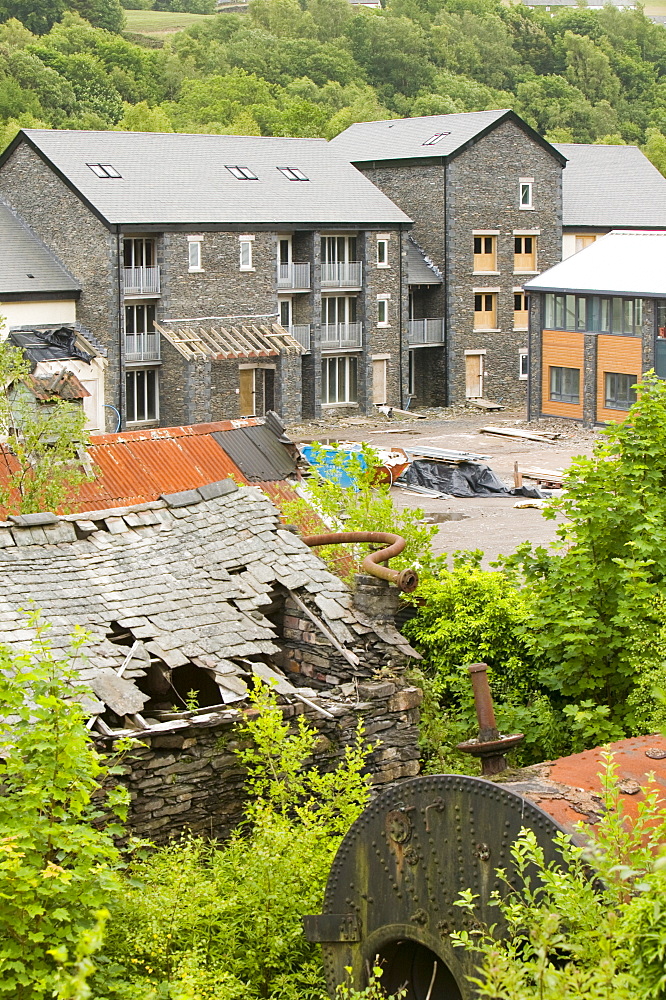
[
  {"x": 425, "y": 331},
  {"x": 337, "y": 275},
  {"x": 141, "y": 280},
  {"x": 142, "y": 347},
  {"x": 293, "y": 275},
  {"x": 341, "y": 336},
  {"x": 301, "y": 334}
]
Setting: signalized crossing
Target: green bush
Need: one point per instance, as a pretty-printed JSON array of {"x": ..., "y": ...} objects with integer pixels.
[
  {"x": 58, "y": 862},
  {"x": 224, "y": 921}
]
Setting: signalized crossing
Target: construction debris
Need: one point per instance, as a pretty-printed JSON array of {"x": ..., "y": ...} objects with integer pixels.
[
  {"x": 551, "y": 478},
  {"x": 512, "y": 432}
]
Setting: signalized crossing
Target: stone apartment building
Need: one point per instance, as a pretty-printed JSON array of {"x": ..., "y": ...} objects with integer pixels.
[
  {"x": 223, "y": 275},
  {"x": 485, "y": 193}
]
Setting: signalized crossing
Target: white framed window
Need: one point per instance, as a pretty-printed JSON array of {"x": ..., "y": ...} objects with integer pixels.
[
  {"x": 339, "y": 379},
  {"x": 142, "y": 395},
  {"x": 525, "y": 192},
  {"x": 382, "y": 310},
  {"x": 293, "y": 173},
  {"x": 523, "y": 365},
  {"x": 104, "y": 170},
  {"x": 194, "y": 253},
  {"x": 383, "y": 251},
  {"x": 285, "y": 306},
  {"x": 242, "y": 173},
  {"x": 245, "y": 252},
  {"x": 434, "y": 139}
]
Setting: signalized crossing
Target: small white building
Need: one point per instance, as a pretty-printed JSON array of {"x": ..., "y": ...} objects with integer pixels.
[{"x": 38, "y": 300}]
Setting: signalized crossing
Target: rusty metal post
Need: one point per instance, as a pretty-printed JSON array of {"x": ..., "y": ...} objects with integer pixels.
[
  {"x": 489, "y": 745},
  {"x": 483, "y": 702}
]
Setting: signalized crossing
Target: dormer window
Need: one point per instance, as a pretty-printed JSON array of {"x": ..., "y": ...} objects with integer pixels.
[
  {"x": 293, "y": 174},
  {"x": 434, "y": 139},
  {"x": 242, "y": 173},
  {"x": 103, "y": 170}
]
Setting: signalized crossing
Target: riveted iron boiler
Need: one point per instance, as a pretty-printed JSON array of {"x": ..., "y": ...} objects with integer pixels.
[{"x": 398, "y": 871}]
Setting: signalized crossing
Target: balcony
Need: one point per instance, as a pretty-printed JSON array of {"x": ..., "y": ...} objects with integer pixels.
[
  {"x": 425, "y": 332},
  {"x": 339, "y": 275},
  {"x": 142, "y": 347},
  {"x": 294, "y": 276},
  {"x": 301, "y": 334},
  {"x": 341, "y": 336},
  {"x": 141, "y": 280}
]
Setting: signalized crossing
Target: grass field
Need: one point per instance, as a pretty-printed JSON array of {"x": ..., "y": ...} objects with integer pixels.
[{"x": 157, "y": 23}]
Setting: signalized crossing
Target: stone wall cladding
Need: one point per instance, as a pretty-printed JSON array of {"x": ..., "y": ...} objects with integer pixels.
[
  {"x": 221, "y": 288},
  {"x": 383, "y": 340},
  {"x": 80, "y": 241},
  {"x": 191, "y": 780},
  {"x": 482, "y": 193}
]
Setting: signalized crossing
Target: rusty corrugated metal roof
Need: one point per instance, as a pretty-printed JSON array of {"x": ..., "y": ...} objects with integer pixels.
[
  {"x": 137, "y": 466},
  {"x": 569, "y": 789}
]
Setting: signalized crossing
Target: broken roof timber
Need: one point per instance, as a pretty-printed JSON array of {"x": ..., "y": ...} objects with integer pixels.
[{"x": 226, "y": 343}]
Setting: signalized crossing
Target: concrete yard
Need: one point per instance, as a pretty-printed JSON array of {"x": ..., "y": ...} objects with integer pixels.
[{"x": 491, "y": 524}]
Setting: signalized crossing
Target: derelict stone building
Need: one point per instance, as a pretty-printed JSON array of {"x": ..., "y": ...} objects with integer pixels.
[
  {"x": 485, "y": 193},
  {"x": 224, "y": 275},
  {"x": 201, "y": 591}
]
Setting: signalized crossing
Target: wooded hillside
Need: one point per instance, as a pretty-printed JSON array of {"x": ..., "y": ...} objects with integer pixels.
[{"x": 314, "y": 67}]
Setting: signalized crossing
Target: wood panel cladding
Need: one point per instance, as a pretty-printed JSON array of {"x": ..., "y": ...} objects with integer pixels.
[
  {"x": 563, "y": 350},
  {"x": 622, "y": 355}
]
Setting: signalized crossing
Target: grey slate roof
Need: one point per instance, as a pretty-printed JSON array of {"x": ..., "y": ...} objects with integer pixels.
[
  {"x": 186, "y": 576},
  {"x": 404, "y": 138},
  {"x": 182, "y": 179},
  {"x": 23, "y": 255},
  {"x": 611, "y": 186},
  {"x": 420, "y": 270}
]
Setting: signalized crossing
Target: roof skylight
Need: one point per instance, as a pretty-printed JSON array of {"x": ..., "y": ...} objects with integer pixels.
[
  {"x": 434, "y": 139},
  {"x": 103, "y": 170},
  {"x": 242, "y": 173},
  {"x": 293, "y": 174}
]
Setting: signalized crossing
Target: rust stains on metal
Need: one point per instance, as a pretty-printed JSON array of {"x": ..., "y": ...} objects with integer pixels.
[
  {"x": 406, "y": 580},
  {"x": 489, "y": 745},
  {"x": 139, "y": 466},
  {"x": 570, "y": 789}
]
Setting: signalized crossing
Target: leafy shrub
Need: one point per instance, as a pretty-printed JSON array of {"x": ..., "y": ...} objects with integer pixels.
[
  {"x": 58, "y": 862},
  {"x": 224, "y": 921},
  {"x": 364, "y": 505}
]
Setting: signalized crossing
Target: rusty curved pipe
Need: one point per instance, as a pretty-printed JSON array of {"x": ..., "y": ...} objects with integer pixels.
[{"x": 406, "y": 580}]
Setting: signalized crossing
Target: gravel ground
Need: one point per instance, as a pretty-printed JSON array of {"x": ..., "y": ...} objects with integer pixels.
[{"x": 491, "y": 524}]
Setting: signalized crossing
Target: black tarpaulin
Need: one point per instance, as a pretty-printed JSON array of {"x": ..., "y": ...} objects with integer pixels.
[{"x": 465, "y": 479}]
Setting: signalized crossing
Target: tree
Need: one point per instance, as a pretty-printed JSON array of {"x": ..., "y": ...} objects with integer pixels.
[
  {"x": 40, "y": 464},
  {"x": 107, "y": 14},
  {"x": 602, "y": 596},
  {"x": 37, "y": 16},
  {"x": 58, "y": 862}
]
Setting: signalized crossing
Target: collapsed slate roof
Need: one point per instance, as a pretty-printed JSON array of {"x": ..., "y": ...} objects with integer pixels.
[
  {"x": 431, "y": 136},
  {"x": 182, "y": 582},
  {"x": 28, "y": 268},
  {"x": 608, "y": 187},
  {"x": 173, "y": 179}
]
